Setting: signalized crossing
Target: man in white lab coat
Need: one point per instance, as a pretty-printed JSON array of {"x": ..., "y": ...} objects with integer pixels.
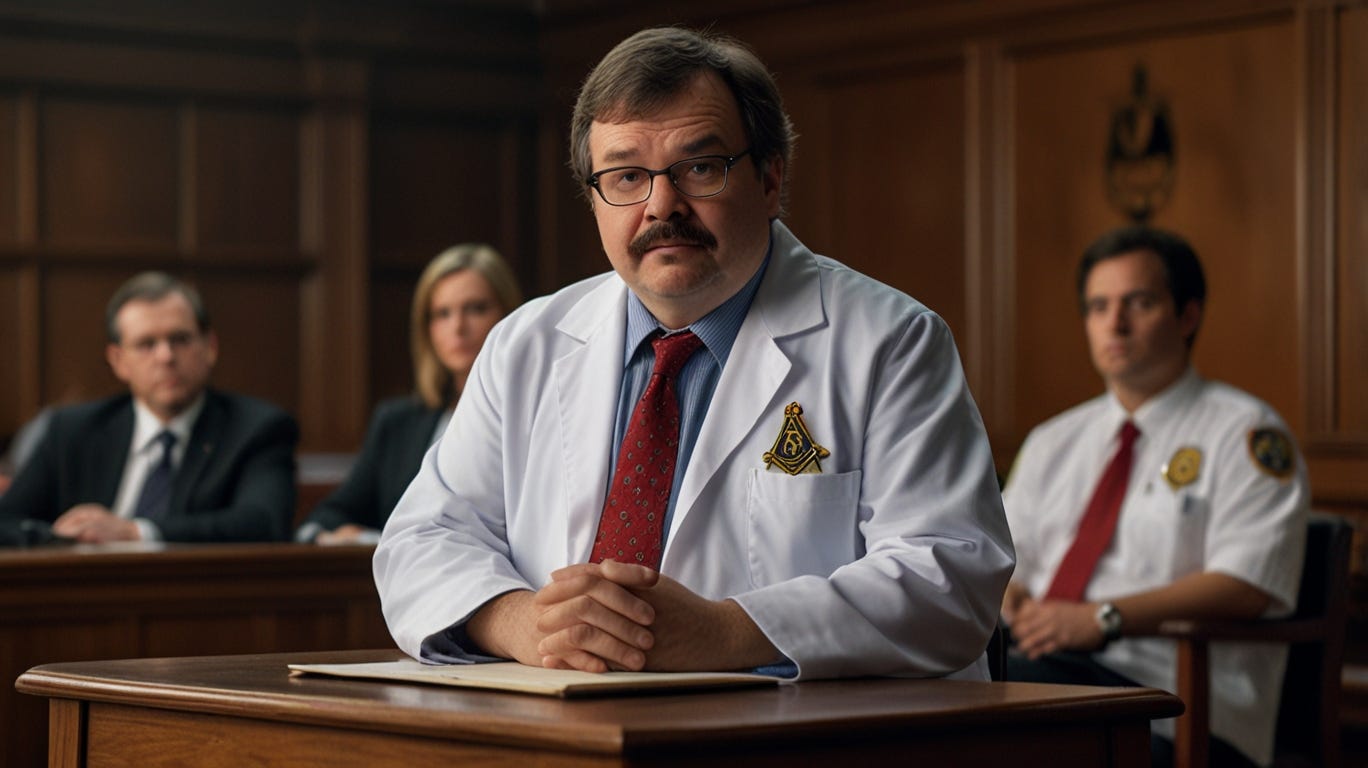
[{"x": 833, "y": 508}]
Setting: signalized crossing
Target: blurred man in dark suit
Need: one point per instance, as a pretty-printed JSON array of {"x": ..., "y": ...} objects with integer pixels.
[{"x": 172, "y": 460}]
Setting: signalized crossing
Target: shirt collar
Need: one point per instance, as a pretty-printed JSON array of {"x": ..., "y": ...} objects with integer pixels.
[
  {"x": 1156, "y": 412},
  {"x": 146, "y": 425},
  {"x": 717, "y": 329}
]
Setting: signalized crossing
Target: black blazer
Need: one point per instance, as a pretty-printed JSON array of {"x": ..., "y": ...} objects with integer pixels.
[
  {"x": 399, "y": 434},
  {"x": 236, "y": 481}
]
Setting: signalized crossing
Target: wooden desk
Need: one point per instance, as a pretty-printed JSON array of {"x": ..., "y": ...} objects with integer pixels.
[
  {"x": 109, "y": 602},
  {"x": 227, "y": 711}
]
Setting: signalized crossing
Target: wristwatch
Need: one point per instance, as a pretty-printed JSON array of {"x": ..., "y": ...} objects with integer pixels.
[{"x": 1109, "y": 621}]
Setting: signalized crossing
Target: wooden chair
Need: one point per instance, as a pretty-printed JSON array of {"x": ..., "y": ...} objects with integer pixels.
[{"x": 1308, "y": 714}]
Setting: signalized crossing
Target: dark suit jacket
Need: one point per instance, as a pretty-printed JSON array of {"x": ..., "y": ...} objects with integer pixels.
[
  {"x": 399, "y": 435},
  {"x": 236, "y": 481}
]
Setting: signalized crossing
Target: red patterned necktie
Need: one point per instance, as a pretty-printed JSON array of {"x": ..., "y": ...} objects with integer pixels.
[
  {"x": 629, "y": 529},
  {"x": 1098, "y": 524}
]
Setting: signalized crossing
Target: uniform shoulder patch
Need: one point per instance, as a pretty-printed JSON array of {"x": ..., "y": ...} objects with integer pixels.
[{"x": 1272, "y": 452}]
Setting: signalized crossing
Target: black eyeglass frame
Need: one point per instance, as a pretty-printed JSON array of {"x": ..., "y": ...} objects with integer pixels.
[{"x": 728, "y": 162}]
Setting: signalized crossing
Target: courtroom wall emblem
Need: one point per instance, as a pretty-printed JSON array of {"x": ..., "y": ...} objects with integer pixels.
[{"x": 1141, "y": 158}]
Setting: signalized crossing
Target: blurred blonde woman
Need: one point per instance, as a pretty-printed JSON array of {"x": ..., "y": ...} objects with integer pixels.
[{"x": 461, "y": 294}]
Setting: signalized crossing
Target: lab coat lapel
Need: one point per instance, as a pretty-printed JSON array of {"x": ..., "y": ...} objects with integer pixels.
[
  {"x": 789, "y": 301},
  {"x": 588, "y": 379}
]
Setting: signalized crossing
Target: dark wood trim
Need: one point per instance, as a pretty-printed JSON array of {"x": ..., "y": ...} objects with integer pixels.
[
  {"x": 1317, "y": 61},
  {"x": 989, "y": 237}
]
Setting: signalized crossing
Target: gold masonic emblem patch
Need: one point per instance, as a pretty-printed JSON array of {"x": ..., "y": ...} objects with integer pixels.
[{"x": 794, "y": 450}]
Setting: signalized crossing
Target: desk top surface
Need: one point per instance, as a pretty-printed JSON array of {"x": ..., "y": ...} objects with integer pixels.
[{"x": 261, "y": 687}]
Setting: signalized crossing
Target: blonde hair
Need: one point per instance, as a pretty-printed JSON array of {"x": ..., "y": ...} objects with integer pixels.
[{"x": 434, "y": 383}]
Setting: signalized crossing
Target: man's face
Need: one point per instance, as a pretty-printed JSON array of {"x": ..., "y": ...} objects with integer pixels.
[
  {"x": 161, "y": 354},
  {"x": 684, "y": 256},
  {"x": 1135, "y": 333}
]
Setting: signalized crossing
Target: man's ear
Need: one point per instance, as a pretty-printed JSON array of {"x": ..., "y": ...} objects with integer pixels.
[
  {"x": 114, "y": 355},
  {"x": 211, "y": 345},
  {"x": 1190, "y": 319},
  {"x": 772, "y": 182}
]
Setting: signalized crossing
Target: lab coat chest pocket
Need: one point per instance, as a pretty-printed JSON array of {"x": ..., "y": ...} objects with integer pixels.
[{"x": 801, "y": 525}]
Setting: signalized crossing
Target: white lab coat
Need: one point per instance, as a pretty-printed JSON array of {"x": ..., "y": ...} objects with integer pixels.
[{"x": 891, "y": 561}]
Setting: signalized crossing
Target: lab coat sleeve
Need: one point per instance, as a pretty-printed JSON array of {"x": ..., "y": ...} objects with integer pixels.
[
  {"x": 444, "y": 554},
  {"x": 924, "y": 597}
]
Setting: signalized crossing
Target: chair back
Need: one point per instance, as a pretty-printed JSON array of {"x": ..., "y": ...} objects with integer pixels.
[{"x": 1308, "y": 715}]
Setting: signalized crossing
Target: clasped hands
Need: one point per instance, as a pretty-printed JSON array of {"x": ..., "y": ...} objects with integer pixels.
[
  {"x": 1040, "y": 627},
  {"x": 95, "y": 524},
  {"x": 605, "y": 616}
]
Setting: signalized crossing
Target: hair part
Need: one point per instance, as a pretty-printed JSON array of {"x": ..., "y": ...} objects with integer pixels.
[
  {"x": 152, "y": 286},
  {"x": 435, "y": 385},
  {"x": 1182, "y": 269},
  {"x": 642, "y": 73}
]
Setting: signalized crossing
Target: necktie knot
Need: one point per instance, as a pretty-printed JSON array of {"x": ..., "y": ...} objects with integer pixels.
[
  {"x": 167, "y": 439},
  {"x": 672, "y": 352},
  {"x": 1128, "y": 433}
]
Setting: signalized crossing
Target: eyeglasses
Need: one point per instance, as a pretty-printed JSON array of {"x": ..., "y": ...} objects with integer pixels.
[
  {"x": 703, "y": 176},
  {"x": 146, "y": 346}
]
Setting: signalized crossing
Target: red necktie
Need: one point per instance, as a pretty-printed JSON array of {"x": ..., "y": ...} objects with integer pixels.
[
  {"x": 629, "y": 529},
  {"x": 1098, "y": 524}
]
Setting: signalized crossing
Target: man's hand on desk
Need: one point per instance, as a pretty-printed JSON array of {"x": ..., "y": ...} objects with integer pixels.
[
  {"x": 585, "y": 618},
  {"x": 95, "y": 524},
  {"x": 597, "y": 617}
]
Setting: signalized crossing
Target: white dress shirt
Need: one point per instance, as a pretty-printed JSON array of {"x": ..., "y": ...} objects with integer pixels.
[
  {"x": 1234, "y": 517},
  {"x": 144, "y": 452}
]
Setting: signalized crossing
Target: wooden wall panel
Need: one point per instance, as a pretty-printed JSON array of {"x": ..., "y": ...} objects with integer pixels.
[
  {"x": 391, "y": 371},
  {"x": 1352, "y": 360},
  {"x": 109, "y": 173},
  {"x": 894, "y": 199},
  {"x": 247, "y": 179},
  {"x": 73, "y": 364},
  {"x": 435, "y": 184},
  {"x": 257, "y": 319},
  {"x": 9, "y": 168},
  {"x": 1233, "y": 199}
]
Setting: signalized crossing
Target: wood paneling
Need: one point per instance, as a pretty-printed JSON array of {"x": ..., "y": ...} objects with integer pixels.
[
  {"x": 109, "y": 173},
  {"x": 391, "y": 296},
  {"x": 256, "y": 315},
  {"x": 73, "y": 364},
  {"x": 247, "y": 179},
  {"x": 1233, "y": 200},
  {"x": 895, "y": 195},
  {"x": 1352, "y": 251},
  {"x": 438, "y": 183},
  {"x": 9, "y": 168}
]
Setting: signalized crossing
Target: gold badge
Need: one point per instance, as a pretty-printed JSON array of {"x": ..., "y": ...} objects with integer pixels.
[
  {"x": 794, "y": 450},
  {"x": 1183, "y": 467},
  {"x": 1272, "y": 452}
]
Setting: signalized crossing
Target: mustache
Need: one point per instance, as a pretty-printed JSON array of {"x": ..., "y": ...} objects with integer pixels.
[{"x": 674, "y": 231}]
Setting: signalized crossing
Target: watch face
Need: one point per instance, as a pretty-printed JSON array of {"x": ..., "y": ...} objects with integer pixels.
[{"x": 1109, "y": 619}]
